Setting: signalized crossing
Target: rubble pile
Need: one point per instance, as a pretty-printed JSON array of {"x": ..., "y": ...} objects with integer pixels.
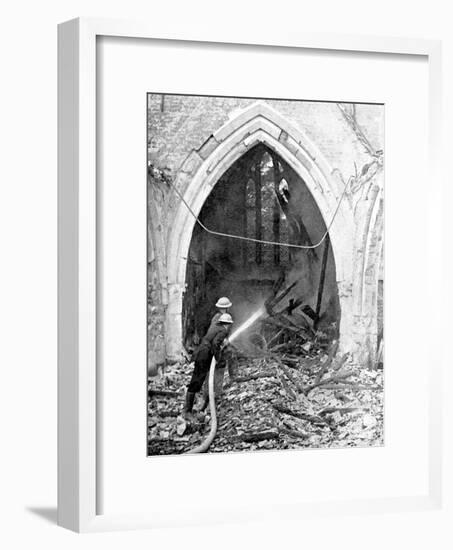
[
  {"x": 276, "y": 400},
  {"x": 288, "y": 387}
]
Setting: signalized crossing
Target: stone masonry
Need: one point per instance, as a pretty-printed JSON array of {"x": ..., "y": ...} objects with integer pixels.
[{"x": 193, "y": 140}]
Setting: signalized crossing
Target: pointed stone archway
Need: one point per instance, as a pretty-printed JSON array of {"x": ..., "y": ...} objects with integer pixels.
[{"x": 259, "y": 123}]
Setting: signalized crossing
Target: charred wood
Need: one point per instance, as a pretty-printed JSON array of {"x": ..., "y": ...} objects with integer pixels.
[
  {"x": 254, "y": 437},
  {"x": 342, "y": 410},
  {"x": 302, "y": 416},
  {"x": 290, "y": 376},
  {"x": 257, "y": 376},
  {"x": 345, "y": 385},
  {"x": 163, "y": 393},
  {"x": 330, "y": 380},
  {"x": 296, "y": 434}
]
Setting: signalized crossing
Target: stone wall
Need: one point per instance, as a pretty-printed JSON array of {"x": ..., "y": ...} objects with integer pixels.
[
  {"x": 156, "y": 321},
  {"x": 186, "y": 132},
  {"x": 186, "y": 123}
]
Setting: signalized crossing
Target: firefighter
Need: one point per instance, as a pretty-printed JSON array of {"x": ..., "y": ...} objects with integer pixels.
[
  {"x": 223, "y": 304},
  {"x": 212, "y": 344}
]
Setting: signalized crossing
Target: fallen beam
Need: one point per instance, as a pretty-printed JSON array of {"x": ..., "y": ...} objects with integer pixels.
[
  {"x": 302, "y": 416},
  {"x": 330, "y": 380},
  {"x": 163, "y": 393},
  {"x": 266, "y": 374},
  {"x": 290, "y": 375},
  {"x": 275, "y": 322},
  {"x": 347, "y": 386},
  {"x": 327, "y": 363},
  {"x": 342, "y": 410},
  {"x": 272, "y": 302},
  {"x": 254, "y": 437},
  {"x": 296, "y": 434}
]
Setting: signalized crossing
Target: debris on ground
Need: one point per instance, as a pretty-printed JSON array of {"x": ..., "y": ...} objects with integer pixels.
[
  {"x": 275, "y": 401},
  {"x": 288, "y": 388}
]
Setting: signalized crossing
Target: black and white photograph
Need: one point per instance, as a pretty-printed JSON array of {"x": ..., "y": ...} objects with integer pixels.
[
  {"x": 265, "y": 274},
  {"x": 227, "y": 284}
]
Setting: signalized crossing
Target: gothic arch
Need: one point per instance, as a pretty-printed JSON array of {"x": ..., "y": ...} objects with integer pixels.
[
  {"x": 368, "y": 259},
  {"x": 203, "y": 168}
]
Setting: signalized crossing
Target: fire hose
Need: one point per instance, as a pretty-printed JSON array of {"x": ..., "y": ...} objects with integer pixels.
[{"x": 204, "y": 445}]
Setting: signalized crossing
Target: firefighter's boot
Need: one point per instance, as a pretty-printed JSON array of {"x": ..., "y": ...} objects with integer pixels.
[
  {"x": 204, "y": 403},
  {"x": 190, "y": 397}
]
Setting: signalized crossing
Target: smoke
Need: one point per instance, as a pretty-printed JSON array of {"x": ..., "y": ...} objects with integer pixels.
[{"x": 220, "y": 266}]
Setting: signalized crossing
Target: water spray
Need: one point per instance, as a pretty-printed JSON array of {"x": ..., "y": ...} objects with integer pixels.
[{"x": 248, "y": 323}]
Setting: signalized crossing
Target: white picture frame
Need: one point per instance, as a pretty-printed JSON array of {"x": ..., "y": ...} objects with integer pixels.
[{"x": 77, "y": 225}]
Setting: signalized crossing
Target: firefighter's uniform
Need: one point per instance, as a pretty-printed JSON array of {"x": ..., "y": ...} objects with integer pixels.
[{"x": 211, "y": 346}]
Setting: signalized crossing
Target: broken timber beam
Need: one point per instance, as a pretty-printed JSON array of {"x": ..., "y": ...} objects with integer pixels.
[
  {"x": 163, "y": 393},
  {"x": 302, "y": 416},
  {"x": 296, "y": 434},
  {"x": 271, "y": 302},
  {"x": 328, "y": 362},
  {"x": 290, "y": 375},
  {"x": 342, "y": 410},
  {"x": 321, "y": 280},
  {"x": 331, "y": 380},
  {"x": 265, "y": 374},
  {"x": 254, "y": 437}
]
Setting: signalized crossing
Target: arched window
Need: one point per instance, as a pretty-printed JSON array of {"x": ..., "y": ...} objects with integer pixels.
[{"x": 266, "y": 219}]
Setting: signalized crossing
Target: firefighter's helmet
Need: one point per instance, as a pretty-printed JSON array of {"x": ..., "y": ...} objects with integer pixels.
[
  {"x": 225, "y": 318},
  {"x": 223, "y": 303}
]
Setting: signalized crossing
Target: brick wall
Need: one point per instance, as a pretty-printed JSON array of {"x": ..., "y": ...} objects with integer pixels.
[
  {"x": 179, "y": 126},
  {"x": 186, "y": 122}
]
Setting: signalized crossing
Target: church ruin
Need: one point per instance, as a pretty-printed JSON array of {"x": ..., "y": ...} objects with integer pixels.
[{"x": 275, "y": 171}]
